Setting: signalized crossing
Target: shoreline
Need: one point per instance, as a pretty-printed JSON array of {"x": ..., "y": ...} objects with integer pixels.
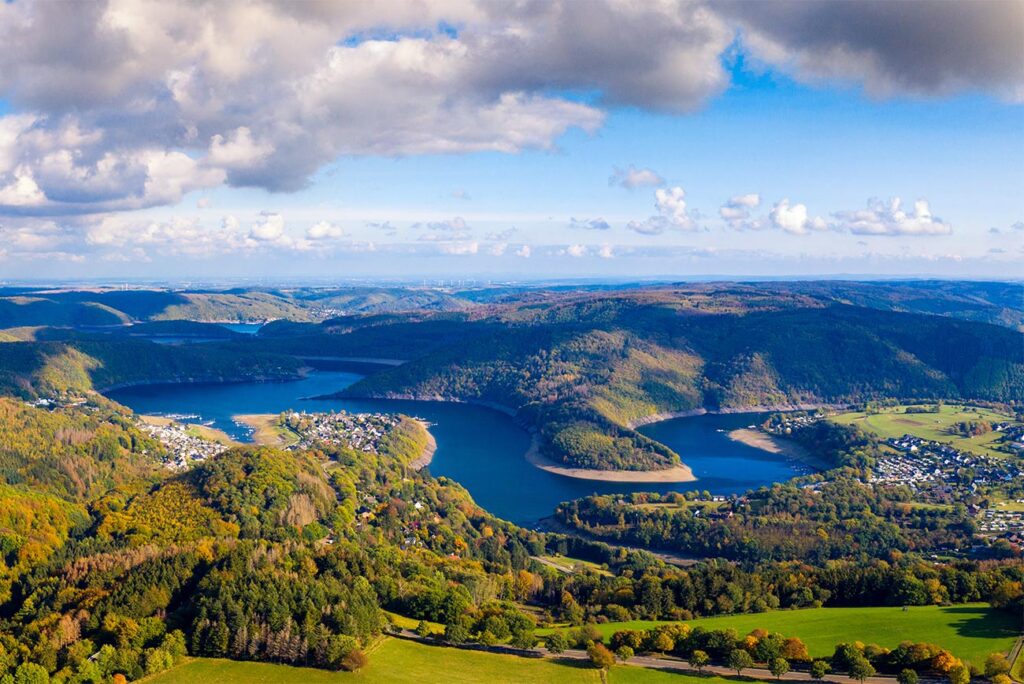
[
  {"x": 776, "y": 445},
  {"x": 679, "y": 473},
  {"x": 399, "y": 396},
  {"x": 429, "y": 449},
  {"x": 690, "y": 413},
  {"x": 203, "y": 380}
]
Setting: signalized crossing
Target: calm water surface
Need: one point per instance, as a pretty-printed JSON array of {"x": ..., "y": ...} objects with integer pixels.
[{"x": 478, "y": 447}]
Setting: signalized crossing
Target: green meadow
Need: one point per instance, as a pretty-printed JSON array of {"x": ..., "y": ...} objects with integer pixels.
[
  {"x": 970, "y": 631},
  {"x": 394, "y": 661},
  {"x": 895, "y": 422}
]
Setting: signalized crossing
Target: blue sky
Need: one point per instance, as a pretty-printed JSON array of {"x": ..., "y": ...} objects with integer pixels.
[{"x": 491, "y": 174}]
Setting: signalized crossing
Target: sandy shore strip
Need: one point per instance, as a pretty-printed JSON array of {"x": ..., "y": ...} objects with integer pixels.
[
  {"x": 777, "y": 445},
  {"x": 427, "y": 455},
  {"x": 770, "y": 408},
  {"x": 266, "y": 431},
  {"x": 658, "y": 417},
  {"x": 679, "y": 473}
]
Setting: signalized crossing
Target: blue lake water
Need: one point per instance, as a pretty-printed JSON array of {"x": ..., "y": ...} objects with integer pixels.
[{"x": 480, "y": 448}]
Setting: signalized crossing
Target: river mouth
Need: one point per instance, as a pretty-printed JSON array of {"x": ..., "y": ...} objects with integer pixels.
[{"x": 478, "y": 447}]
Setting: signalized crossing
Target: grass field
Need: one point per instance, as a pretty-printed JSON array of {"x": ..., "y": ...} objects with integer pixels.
[
  {"x": 970, "y": 631},
  {"x": 403, "y": 661},
  {"x": 395, "y": 661},
  {"x": 266, "y": 431},
  {"x": 629, "y": 674},
  {"x": 411, "y": 623},
  {"x": 894, "y": 422},
  {"x": 569, "y": 565}
]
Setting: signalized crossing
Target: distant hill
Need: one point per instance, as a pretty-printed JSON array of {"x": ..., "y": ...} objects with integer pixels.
[
  {"x": 82, "y": 308},
  {"x": 52, "y": 368}
]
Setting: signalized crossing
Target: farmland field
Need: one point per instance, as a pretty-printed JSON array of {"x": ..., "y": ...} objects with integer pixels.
[
  {"x": 394, "y": 661},
  {"x": 895, "y": 422},
  {"x": 970, "y": 631}
]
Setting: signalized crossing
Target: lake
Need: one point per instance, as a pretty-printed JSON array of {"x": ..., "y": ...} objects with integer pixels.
[{"x": 480, "y": 448}]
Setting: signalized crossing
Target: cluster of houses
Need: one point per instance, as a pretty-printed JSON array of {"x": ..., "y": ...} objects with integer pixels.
[
  {"x": 183, "y": 447},
  {"x": 1003, "y": 523},
  {"x": 921, "y": 464},
  {"x": 1012, "y": 436},
  {"x": 52, "y": 403},
  {"x": 788, "y": 423},
  {"x": 360, "y": 431},
  {"x": 939, "y": 469}
]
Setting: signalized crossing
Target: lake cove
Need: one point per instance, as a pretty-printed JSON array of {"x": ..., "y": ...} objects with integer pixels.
[{"x": 478, "y": 447}]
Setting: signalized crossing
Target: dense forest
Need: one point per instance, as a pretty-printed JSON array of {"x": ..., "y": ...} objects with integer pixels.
[{"x": 300, "y": 557}]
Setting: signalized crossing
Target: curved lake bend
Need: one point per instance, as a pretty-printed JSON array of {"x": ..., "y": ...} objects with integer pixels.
[{"x": 480, "y": 448}]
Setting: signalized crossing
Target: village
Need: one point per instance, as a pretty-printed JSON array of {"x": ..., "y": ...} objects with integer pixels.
[
  {"x": 360, "y": 431},
  {"x": 184, "y": 447}
]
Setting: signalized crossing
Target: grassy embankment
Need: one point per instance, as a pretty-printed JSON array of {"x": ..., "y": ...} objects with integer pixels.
[
  {"x": 970, "y": 631},
  {"x": 895, "y": 422}
]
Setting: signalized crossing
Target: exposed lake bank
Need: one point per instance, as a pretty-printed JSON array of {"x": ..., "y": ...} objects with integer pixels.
[
  {"x": 777, "y": 445},
  {"x": 429, "y": 449},
  {"x": 680, "y": 473}
]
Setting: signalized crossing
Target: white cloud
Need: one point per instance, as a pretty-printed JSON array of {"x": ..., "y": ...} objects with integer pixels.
[
  {"x": 670, "y": 203},
  {"x": 606, "y": 252},
  {"x": 793, "y": 218},
  {"x": 22, "y": 190},
  {"x": 323, "y": 230},
  {"x": 237, "y": 150},
  {"x": 736, "y": 212},
  {"x": 576, "y": 251},
  {"x": 524, "y": 251},
  {"x": 881, "y": 218},
  {"x": 633, "y": 178},
  {"x": 269, "y": 227}
]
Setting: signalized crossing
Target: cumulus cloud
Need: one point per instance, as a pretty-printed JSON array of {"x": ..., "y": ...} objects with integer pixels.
[
  {"x": 118, "y": 105},
  {"x": 670, "y": 203},
  {"x": 523, "y": 251},
  {"x": 889, "y": 218},
  {"x": 324, "y": 230},
  {"x": 793, "y": 218},
  {"x": 926, "y": 47},
  {"x": 736, "y": 212},
  {"x": 589, "y": 224},
  {"x": 270, "y": 226},
  {"x": 576, "y": 251},
  {"x": 633, "y": 178}
]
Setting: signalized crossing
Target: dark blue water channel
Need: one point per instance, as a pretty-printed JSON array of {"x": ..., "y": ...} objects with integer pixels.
[{"x": 480, "y": 448}]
